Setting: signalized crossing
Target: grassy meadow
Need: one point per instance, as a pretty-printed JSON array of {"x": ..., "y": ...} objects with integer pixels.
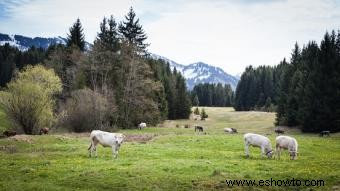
[{"x": 167, "y": 158}]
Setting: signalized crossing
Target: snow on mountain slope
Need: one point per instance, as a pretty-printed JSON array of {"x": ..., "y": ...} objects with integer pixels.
[
  {"x": 23, "y": 43},
  {"x": 201, "y": 73}
]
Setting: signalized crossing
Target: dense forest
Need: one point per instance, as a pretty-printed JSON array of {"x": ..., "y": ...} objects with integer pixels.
[
  {"x": 306, "y": 90},
  {"x": 258, "y": 88},
  {"x": 11, "y": 59},
  {"x": 115, "y": 84},
  {"x": 212, "y": 95}
]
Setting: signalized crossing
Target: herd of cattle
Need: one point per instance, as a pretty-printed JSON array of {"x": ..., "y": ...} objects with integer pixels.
[{"x": 115, "y": 140}]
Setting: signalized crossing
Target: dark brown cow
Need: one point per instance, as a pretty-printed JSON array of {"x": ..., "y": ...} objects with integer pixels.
[
  {"x": 44, "y": 131},
  {"x": 324, "y": 133},
  {"x": 198, "y": 128},
  {"x": 9, "y": 133},
  {"x": 234, "y": 130},
  {"x": 279, "y": 131}
]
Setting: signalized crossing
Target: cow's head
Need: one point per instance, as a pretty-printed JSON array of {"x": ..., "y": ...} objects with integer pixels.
[
  {"x": 270, "y": 153},
  {"x": 293, "y": 155},
  {"x": 120, "y": 140}
]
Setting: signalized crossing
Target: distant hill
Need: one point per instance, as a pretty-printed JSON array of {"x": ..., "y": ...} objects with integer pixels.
[{"x": 200, "y": 72}]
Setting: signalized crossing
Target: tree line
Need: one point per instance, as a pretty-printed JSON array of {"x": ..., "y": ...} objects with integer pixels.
[
  {"x": 115, "y": 84},
  {"x": 11, "y": 59},
  {"x": 258, "y": 88},
  {"x": 306, "y": 90},
  {"x": 212, "y": 95}
]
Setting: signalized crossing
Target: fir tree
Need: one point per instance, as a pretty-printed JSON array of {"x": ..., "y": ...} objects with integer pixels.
[
  {"x": 204, "y": 115},
  {"x": 183, "y": 103},
  {"x": 76, "y": 36},
  {"x": 132, "y": 31},
  {"x": 196, "y": 101},
  {"x": 108, "y": 35}
]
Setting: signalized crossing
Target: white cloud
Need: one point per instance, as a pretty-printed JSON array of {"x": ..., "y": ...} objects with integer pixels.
[
  {"x": 230, "y": 34},
  {"x": 234, "y": 35}
]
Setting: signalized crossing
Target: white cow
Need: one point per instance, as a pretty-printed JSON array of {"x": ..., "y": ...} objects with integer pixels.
[
  {"x": 106, "y": 139},
  {"x": 289, "y": 143},
  {"x": 258, "y": 141},
  {"x": 230, "y": 130},
  {"x": 141, "y": 126}
]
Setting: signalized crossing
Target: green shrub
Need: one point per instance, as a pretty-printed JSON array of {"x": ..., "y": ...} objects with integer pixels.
[{"x": 28, "y": 100}]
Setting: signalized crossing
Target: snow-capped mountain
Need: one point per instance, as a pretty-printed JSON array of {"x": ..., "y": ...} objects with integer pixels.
[
  {"x": 201, "y": 73},
  {"x": 23, "y": 43}
]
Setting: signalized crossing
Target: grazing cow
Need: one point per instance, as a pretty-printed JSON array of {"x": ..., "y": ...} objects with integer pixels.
[
  {"x": 106, "y": 139},
  {"x": 324, "y": 133},
  {"x": 289, "y": 143},
  {"x": 258, "y": 141},
  {"x": 279, "y": 131},
  {"x": 234, "y": 130},
  {"x": 8, "y": 133},
  {"x": 141, "y": 126},
  {"x": 44, "y": 131},
  {"x": 198, "y": 128},
  {"x": 196, "y": 117},
  {"x": 230, "y": 130}
]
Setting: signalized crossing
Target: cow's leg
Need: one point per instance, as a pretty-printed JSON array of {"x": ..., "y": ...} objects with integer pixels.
[
  {"x": 114, "y": 151},
  {"x": 262, "y": 152},
  {"x": 94, "y": 146},
  {"x": 246, "y": 148},
  {"x": 90, "y": 149}
]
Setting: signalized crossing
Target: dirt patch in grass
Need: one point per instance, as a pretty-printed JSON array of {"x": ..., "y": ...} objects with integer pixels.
[
  {"x": 25, "y": 138},
  {"x": 74, "y": 135},
  {"x": 139, "y": 138}
]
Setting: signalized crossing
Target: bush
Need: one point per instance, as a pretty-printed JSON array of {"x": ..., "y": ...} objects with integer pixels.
[
  {"x": 204, "y": 115},
  {"x": 87, "y": 110},
  {"x": 196, "y": 111},
  {"x": 28, "y": 100}
]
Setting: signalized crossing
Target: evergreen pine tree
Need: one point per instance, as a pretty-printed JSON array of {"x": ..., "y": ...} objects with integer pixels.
[
  {"x": 195, "y": 101},
  {"x": 108, "y": 35},
  {"x": 132, "y": 31},
  {"x": 204, "y": 115},
  {"x": 76, "y": 36},
  {"x": 183, "y": 103}
]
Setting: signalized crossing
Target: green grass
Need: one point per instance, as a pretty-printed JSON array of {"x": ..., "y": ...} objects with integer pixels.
[{"x": 175, "y": 159}]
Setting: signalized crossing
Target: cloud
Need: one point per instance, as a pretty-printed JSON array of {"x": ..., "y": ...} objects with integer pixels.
[
  {"x": 54, "y": 17},
  {"x": 234, "y": 35},
  {"x": 227, "y": 33}
]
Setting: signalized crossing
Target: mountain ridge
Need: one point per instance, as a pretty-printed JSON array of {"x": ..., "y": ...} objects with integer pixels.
[
  {"x": 200, "y": 72},
  {"x": 23, "y": 43}
]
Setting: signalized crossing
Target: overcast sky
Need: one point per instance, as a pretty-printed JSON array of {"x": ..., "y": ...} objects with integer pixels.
[{"x": 231, "y": 34}]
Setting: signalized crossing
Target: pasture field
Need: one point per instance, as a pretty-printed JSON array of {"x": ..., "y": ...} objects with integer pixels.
[{"x": 168, "y": 158}]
